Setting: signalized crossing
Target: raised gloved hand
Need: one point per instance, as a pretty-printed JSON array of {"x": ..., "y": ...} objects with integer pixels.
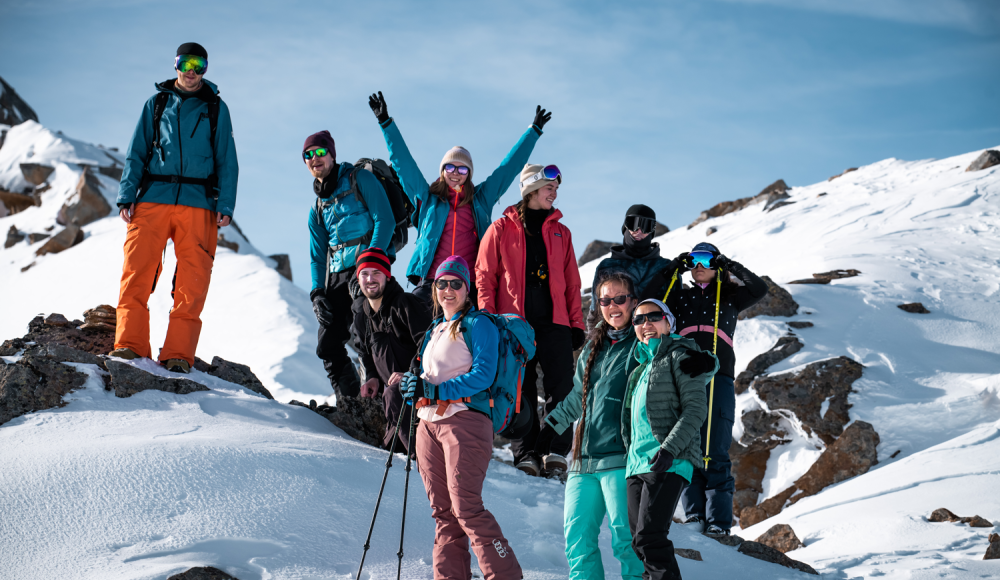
[
  {"x": 578, "y": 337},
  {"x": 541, "y": 118},
  {"x": 721, "y": 262},
  {"x": 661, "y": 461},
  {"x": 408, "y": 387},
  {"x": 321, "y": 307},
  {"x": 677, "y": 264},
  {"x": 377, "y": 103},
  {"x": 697, "y": 363}
]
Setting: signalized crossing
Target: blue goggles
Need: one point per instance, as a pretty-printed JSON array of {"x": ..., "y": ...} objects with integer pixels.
[{"x": 704, "y": 259}]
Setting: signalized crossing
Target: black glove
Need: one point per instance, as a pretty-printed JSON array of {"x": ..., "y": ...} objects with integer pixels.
[
  {"x": 579, "y": 337},
  {"x": 321, "y": 306},
  {"x": 697, "y": 363},
  {"x": 541, "y": 118},
  {"x": 721, "y": 262},
  {"x": 377, "y": 103},
  {"x": 544, "y": 441},
  {"x": 677, "y": 264},
  {"x": 661, "y": 461}
]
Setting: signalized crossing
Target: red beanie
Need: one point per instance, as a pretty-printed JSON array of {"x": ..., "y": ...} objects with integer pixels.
[
  {"x": 321, "y": 139},
  {"x": 373, "y": 258}
]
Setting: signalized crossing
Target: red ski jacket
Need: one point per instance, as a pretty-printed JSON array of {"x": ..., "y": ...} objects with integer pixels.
[{"x": 500, "y": 275}]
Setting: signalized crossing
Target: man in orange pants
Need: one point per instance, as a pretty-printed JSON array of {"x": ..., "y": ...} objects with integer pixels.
[{"x": 179, "y": 183}]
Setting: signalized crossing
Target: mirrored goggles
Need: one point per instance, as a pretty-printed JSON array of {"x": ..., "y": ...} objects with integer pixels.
[
  {"x": 547, "y": 172},
  {"x": 619, "y": 300},
  {"x": 638, "y": 223},
  {"x": 319, "y": 152},
  {"x": 640, "y": 319},
  {"x": 452, "y": 168},
  {"x": 704, "y": 259},
  {"x": 191, "y": 62},
  {"x": 441, "y": 284}
]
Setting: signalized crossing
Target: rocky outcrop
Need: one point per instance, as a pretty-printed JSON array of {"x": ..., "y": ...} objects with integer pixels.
[
  {"x": 202, "y": 573},
  {"x": 234, "y": 373},
  {"x": 777, "y": 302},
  {"x": 826, "y": 277},
  {"x": 223, "y": 242},
  {"x": 688, "y": 554},
  {"x": 87, "y": 204},
  {"x": 845, "y": 172},
  {"x": 660, "y": 229},
  {"x": 13, "y": 237},
  {"x": 103, "y": 318},
  {"x": 799, "y": 324},
  {"x": 852, "y": 454},
  {"x": 127, "y": 380},
  {"x": 16, "y": 202},
  {"x": 805, "y": 392},
  {"x": 993, "y": 551},
  {"x": 986, "y": 160},
  {"x": 70, "y": 236},
  {"x": 784, "y": 348},
  {"x": 359, "y": 417},
  {"x": 913, "y": 307},
  {"x": 594, "y": 250},
  {"x": 769, "y": 195},
  {"x": 775, "y": 206},
  {"x": 711, "y": 231},
  {"x": 36, "y": 237},
  {"x": 36, "y": 173},
  {"x": 944, "y": 515},
  {"x": 284, "y": 265},
  {"x": 749, "y": 456},
  {"x": 782, "y": 538},
  {"x": 37, "y": 381},
  {"x": 50, "y": 331},
  {"x": 769, "y": 554},
  {"x": 13, "y": 109}
]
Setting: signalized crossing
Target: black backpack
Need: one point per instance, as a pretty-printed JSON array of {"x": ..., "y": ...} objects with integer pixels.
[{"x": 211, "y": 183}]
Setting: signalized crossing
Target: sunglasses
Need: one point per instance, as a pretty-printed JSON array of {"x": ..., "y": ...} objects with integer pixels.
[
  {"x": 619, "y": 300},
  {"x": 547, "y": 172},
  {"x": 452, "y": 168},
  {"x": 704, "y": 259},
  {"x": 640, "y": 319},
  {"x": 638, "y": 223},
  {"x": 455, "y": 284},
  {"x": 320, "y": 152},
  {"x": 190, "y": 62}
]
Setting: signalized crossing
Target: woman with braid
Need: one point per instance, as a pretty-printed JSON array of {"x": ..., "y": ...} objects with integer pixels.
[{"x": 596, "y": 483}]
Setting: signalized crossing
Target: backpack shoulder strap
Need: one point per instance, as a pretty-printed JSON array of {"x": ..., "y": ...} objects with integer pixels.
[
  {"x": 159, "y": 105},
  {"x": 213, "y": 119}
]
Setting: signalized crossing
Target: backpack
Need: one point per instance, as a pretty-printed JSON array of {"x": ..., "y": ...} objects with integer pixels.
[{"x": 211, "y": 183}]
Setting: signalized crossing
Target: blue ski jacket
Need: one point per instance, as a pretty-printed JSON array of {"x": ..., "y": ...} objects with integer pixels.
[
  {"x": 432, "y": 212},
  {"x": 186, "y": 151},
  {"x": 483, "y": 339}
]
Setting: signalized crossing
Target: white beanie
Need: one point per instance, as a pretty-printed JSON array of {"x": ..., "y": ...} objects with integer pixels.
[{"x": 457, "y": 154}]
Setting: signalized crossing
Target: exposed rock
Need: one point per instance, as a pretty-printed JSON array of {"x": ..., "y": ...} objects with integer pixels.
[
  {"x": 821, "y": 194},
  {"x": 284, "y": 266},
  {"x": 56, "y": 319},
  {"x": 3, "y": 210},
  {"x": 69, "y": 237},
  {"x": 13, "y": 237},
  {"x": 914, "y": 307},
  {"x": 784, "y": 348},
  {"x": 805, "y": 391},
  {"x": 978, "y": 522},
  {"x": 594, "y": 250},
  {"x": 103, "y": 318},
  {"x": 36, "y": 173},
  {"x": 711, "y": 231},
  {"x": 113, "y": 171},
  {"x": 688, "y": 554},
  {"x": 986, "y": 160},
  {"x": 769, "y": 554},
  {"x": 234, "y": 246},
  {"x": 726, "y": 539},
  {"x": 800, "y": 324},
  {"x": 37, "y": 237},
  {"x": 17, "y": 202},
  {"x": 993, "y": 551},
  {"x": 782, "y": 538},
  {"x": 770, "y": 194},
  {"x": 779, "y": 204},
  {"x": 359, "y": 417},
  {"x": 87, "y": 204},
  {"x": 845, "y": 172},
  {"x": 234, "y": 373},
  {"x": 97, "y": 343},
  {"x": 202, "y": 573},
  {"x": 749, "y": 456},
  {"x": 943, "y": 515},
  {"x": 660, "y": 229},
  {"x": 13, "y": 110},
  {"x": 34, "y": 383},
  {"x": 777, "y": 302},
  {"x": 826, "y": 277},
  {"x": 127, "y": 380}
]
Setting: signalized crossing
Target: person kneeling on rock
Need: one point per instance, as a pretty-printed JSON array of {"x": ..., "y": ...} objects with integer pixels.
[{"x": 389, "y": 325}]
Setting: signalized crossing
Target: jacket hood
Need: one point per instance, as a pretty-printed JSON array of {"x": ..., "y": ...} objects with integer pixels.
[
  {"x": 208, "y": 88},
  {"x": 618, "y": 252},
  {"x": 511, "y": 212}
]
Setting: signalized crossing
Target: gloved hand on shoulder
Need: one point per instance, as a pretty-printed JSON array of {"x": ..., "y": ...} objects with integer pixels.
[{"x": 697, "y": 363}]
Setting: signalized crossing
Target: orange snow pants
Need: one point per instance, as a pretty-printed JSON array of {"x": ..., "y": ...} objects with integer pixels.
[{"x": 195, "y": 234}]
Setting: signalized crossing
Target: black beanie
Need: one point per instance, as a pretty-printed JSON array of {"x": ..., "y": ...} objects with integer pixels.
[
  {"x": 639, "y": 210},
  {"x": 192, "y": 48}
]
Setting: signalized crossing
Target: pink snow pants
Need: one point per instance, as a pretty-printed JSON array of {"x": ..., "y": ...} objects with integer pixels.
[{"x": 453, "y": 455}]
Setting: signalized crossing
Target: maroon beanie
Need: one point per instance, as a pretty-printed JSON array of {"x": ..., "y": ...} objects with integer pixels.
[
  {"x": 373, "y": 258},
  {"x": 321, "y": 139}
]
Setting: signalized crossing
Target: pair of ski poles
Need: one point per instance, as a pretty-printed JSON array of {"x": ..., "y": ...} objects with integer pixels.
[{"x": 406, "y": 491}]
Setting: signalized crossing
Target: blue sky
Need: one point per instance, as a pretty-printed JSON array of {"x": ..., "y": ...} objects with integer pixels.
[{"x": 678, "y": 105}]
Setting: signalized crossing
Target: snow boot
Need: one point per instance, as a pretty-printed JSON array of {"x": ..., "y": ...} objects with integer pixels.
[
  {"x": 345, "y": 381},
  {"x": 124, "y": 353},
  {"x": 529, "y": 465},
  {"x": 714, "y": 530},
  {"x": 554, "y": 463},
  {"x": 176, "y": 365}
]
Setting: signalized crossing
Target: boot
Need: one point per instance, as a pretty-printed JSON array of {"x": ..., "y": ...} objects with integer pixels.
[
  {"x": 123, "y": 353},
  {"x": 344, "y": 380},
  {"x": 177, "y": 365}
]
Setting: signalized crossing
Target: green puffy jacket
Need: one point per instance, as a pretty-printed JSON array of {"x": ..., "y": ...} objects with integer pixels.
[
  {"x": 676, "y": 404},
  {"x": 602, "y": 446}
]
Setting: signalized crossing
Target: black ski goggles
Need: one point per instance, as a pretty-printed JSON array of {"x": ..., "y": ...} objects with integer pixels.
[
  {"x": 638, "y": 223},
  {"x": 441, "y": 284},
  {"x": 640, "y": 319},
  {"x": 619, "y": 300}
]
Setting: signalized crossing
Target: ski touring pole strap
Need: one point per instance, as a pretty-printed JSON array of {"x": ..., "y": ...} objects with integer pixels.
[{"x": 715, "y": 345}]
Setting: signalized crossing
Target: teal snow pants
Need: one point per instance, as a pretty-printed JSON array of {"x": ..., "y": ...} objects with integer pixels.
[{"x": 589, "y": 496}]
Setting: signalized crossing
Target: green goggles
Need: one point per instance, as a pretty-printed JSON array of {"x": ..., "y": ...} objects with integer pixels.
[
  {"x": 319, "y": 152},
  {"x": 190, "y": 62}
]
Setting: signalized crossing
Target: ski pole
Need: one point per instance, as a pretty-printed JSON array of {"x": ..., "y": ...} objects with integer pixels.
[
  {"x": 406, "y": 492},
  {"x": 715, "y": 344},
  {"x": 388, "y": 464}
]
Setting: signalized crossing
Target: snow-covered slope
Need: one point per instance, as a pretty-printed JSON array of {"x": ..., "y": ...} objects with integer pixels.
[{"x": 252, "y": 315}]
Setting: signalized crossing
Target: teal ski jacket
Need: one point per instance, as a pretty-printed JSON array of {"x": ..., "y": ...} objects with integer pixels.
[
  {"x": 347, "y": 218},
  {"x": 186, "y": 151},
  {"x": 602, "y": 447},
  {"x": 432, "y": 212}
]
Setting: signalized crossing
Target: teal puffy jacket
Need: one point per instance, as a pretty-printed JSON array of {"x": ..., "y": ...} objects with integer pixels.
[
  {"x": 433, "y": 212},
  {"x": 602, "y": 447},
  {"x": 186, "y": 151},
  {"x": 348, "y": 218}
]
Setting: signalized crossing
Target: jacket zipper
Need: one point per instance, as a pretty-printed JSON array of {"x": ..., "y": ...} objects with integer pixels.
[
  {"x": 454, "y": 223},
  {"x": 200, "y": 117}
]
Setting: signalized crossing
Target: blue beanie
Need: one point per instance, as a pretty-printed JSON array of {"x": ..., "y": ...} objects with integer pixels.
[
  {"x": 455, "y": 266},
  {"x": 705, "y": 247}
]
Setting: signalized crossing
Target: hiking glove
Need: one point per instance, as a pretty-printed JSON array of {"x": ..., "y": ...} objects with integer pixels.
[
  {"x": 677, "y": 264},
  {"x": 408, "y": 388},
  {"x": 377, "y": 103},
  {"x": 321, "y": 306},
  {"x": 661, "y": 461},
  {"x": 545, "y": 438},
  {"x": 697, "y": 363},
  {"x": 579, "y": 336},
  {"x": 722, "y": 262},
  {"x": 541, "y": 118}
]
